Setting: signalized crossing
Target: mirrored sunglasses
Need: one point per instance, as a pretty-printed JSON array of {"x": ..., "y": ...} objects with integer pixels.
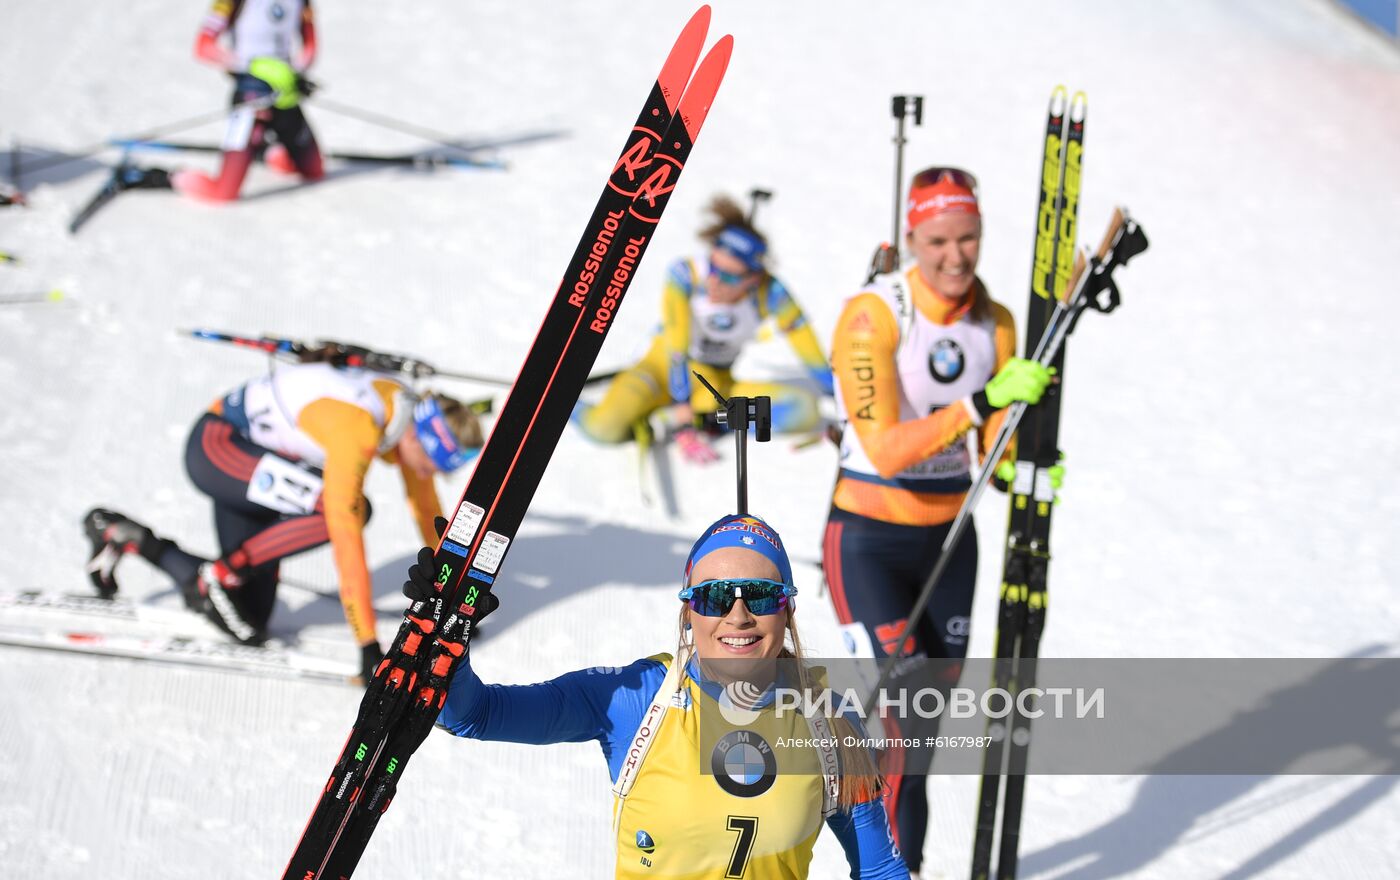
[
  {"x": 931, "y": 176},
  {"x": 715, "y": 598},
  {"x": 731, "y": 278}
]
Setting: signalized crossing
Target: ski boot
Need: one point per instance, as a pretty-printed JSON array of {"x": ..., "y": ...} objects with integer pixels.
[
  {"x": 135, "y": 177},
  {"x": 213, "y": 586},
  {"x": 279, "y": 159},
  {"x": 113, "y": 536}
]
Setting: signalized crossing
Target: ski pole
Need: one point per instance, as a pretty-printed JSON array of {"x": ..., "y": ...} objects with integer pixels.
[
  {"x": 1123, "y": 241},
  {"x": 152, "y": 134},
  {"x": 428, "y": 134},
  {"x": 31, "y": 298}
]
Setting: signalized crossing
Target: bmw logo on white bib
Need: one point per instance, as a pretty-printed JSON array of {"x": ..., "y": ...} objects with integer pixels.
[
  {"x": 721, "y": 321},
  {"x": 946, "y": 362}
]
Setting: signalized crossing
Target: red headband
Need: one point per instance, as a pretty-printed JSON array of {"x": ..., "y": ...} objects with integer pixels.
[{"x": 941, "y": 197}]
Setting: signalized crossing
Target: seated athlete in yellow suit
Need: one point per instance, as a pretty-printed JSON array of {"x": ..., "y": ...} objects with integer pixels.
[{"x": 710, "y": 312}]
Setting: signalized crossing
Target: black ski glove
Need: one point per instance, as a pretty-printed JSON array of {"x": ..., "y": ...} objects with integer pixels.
[
  {"x": 370, "y": 657},
  {"x": 421, "y": 585}
]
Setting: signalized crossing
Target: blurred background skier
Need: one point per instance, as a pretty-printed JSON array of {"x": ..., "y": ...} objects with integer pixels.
[
  {"x": 284, "y": 459},
  {"x": 268, "y": 84},
  {"x": 710, "y": 312}
]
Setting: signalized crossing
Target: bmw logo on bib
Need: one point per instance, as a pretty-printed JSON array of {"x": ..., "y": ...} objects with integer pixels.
[
  {"x": 721, "y": 321},
  {"x": 946, "y": 361},
  {"x": 743, "y": 764}
]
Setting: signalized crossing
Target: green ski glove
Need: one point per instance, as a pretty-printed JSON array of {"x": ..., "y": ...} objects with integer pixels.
[
  {"x": 281, "y": 77},
  {"x": 1005, "y": 474},
  {"x": 1018, "y": 379}
]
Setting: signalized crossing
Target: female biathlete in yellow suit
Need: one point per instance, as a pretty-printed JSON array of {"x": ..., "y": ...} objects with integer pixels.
[
  {"x": 709, "y": 314},
  {"x": 284, "y": 458},
  {"x": 923, "y": 362},
  {"x": 699, "y": 793}
]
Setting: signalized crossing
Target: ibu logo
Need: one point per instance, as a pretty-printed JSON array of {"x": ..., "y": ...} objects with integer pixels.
[
  {"x": 946, "y": 362},
  {"x": 645, "y": 843}
]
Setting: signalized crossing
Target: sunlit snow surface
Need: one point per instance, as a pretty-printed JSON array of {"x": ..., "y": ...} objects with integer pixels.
[{"x": 1230, "y": 433}]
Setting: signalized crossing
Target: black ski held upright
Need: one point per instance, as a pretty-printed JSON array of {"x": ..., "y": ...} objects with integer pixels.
[
  {"x": 407, "y": 692},
  {"x": 1021, "y": 613},
  {"x": 1091, "y": 286}
]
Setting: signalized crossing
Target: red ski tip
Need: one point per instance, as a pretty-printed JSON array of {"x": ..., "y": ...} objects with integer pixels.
[
  {"x": 675, "y": 73},
  {"x": 700, "y": 94}
]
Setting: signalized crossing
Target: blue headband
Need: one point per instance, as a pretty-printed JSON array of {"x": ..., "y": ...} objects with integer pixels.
[
  {"x": 437, "y": 438},
  {"x": 744, "y": 245},
  {"x": 747, "y": 532}
]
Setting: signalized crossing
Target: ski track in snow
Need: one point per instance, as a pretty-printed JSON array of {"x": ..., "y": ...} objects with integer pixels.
[{"x": 1230, "y": 432}]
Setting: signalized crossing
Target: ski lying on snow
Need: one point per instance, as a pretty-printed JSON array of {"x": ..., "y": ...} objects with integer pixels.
[
  {"x": 430, "y": 158},
  {"x": 221, "y": 655},
  {"x": 190, "y": 651},
  {"x": 120, "y": 628}
]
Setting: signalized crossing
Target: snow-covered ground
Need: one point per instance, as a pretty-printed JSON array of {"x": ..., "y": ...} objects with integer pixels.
[{"x": 1230, "y": 432}]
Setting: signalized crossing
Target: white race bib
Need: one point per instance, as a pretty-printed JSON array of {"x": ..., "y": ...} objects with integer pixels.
[
  {"x": 239, "y": 132},
  {"x": 280, "y": 485}
]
